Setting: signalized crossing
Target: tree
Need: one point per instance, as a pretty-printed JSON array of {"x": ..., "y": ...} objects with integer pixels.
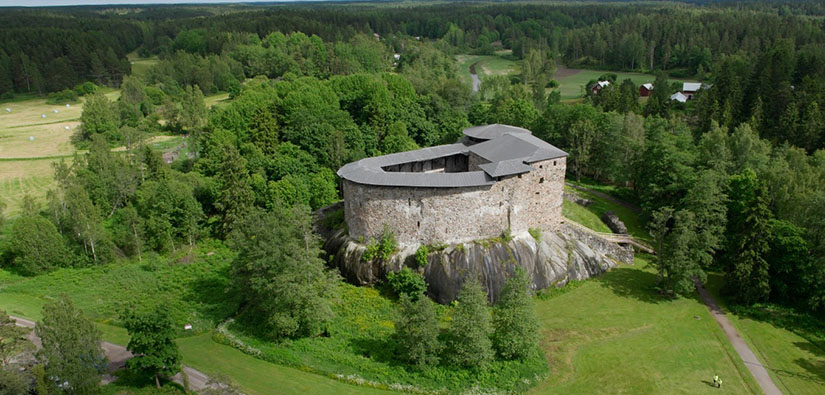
[
  {"x": 13, "y": 340},
  {"x": 71, "y": 349},
  {"x": 416, "y": 332},
  {"x": 193, "y": 110},
  {"x": 236, "y": 196},
  {"x": 36, "y": 246},
  {"x": 152, "y": 342},
  {"x": 582, "y": 134},
  {"x": 284, "y": 283},
  {"x": 99, "y": 117},
  {"x": 516, "y": 325},
  {"x": 659, "y": 101},
  {"x": 469, "y": 334},
  {"x": 749, "y": 234}
]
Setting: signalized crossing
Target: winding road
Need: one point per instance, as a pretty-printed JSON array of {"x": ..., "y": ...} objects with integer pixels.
[{"x": 118, "y": 355}]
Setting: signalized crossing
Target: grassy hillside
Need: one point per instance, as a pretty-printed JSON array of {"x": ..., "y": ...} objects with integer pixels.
[{"x": 613, "y": 334}]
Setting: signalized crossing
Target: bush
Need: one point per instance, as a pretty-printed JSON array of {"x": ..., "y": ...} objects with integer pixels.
[
  {"x": 421, "y": 255},
  {"x": 37, "y": 247},
  {"x": 86, "y": 88},
  {"x": 407, "y": 282},
  {"x": 469, "y": 335},
  {"x": 64, "y": 96},
  {"x": 383, "y": 248}
]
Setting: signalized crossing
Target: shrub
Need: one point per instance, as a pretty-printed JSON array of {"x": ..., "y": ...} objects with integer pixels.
[
  {"x": 421, "y": 255},
  {"x": 416, "y": 332},
  {"x": 64, "y": 96},
  {"x": 536, "y": 233},
  {"x": 388, "y": 243},
  {"x": 86, "y": 88},
  {"x": 371, "y": 252},
  {"x": 407, "y": 282}
]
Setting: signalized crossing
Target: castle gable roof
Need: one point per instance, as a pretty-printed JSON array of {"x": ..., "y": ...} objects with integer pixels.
[{"x": 508, "y": 149}]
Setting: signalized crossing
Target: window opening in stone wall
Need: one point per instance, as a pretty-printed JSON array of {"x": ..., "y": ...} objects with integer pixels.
[
  {"x": 419, "y": 224},
  {"x": 554, "y": 163},
  {"x": 541, "y": 180},
  {"x": 541, "y": 166}
]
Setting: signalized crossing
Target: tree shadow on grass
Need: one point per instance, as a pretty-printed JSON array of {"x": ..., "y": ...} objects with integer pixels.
[
  {"x": 215, "y": 295},
  {"x": 379, "y": 350},
  {"x": 631, "y": 283}
]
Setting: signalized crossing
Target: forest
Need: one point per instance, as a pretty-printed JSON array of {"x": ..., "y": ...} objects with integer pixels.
[{"x": 730, "y": 182}]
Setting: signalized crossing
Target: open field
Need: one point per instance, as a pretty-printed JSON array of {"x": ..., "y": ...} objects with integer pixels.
[
  {"x": 795, "y": 363},
  {"x": 255, "y": 376},
  {"x": 486, "y": 65},
  {"x": 572, "y": 81},
  {"x": 613, "y": 334},
  {"x": 141, "y": 65}
]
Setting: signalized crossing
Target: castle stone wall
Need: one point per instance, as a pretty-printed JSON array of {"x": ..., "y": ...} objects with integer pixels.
[{"x": 455, "y": 215}]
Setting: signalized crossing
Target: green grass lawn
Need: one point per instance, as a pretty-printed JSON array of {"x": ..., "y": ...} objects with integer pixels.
[
  {"x": 613, "y": 334},
  {"x": 795, "y": 362},
  {"x": 573, "y": 86},
  {"x": 141, "y": 65},
  {"x": 590, "y": 216},
  {"x": 255, "y": 376},
  {"x": 486, "y": 65}
]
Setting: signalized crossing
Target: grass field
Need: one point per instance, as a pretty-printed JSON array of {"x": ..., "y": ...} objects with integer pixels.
[
  {"x": 613, "y": 334},
  {"x": 141, "y": 65},
  {"x": 572, "y": 84},
  {"x": 796, "y": 364},
  {"x": 486, "y": 65}
]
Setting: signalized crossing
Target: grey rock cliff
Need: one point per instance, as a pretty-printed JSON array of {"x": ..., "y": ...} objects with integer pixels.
[{"x": 559, "y": 257}]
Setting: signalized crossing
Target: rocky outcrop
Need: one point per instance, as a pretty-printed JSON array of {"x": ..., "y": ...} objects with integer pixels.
[
  {"x": 558, "y": 257},
  {"x": 614, "y": 223},
  {"x": 572, "y": 197}
]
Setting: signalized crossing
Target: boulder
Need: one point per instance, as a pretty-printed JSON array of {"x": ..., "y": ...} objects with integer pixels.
[
  {"x": 572, "y": 197},
  {"x": 614, "y": 223}
]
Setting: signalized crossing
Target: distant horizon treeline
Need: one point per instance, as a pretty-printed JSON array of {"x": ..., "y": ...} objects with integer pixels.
[{"x": 48, "y": 50}]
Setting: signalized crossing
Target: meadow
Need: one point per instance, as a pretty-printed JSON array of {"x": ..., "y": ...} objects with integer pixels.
[
  {"x": 485, "y": 66},
  {"x": 790, "y": 346}
]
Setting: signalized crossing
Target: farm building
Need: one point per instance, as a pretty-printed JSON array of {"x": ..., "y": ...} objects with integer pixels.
[
  {"x": 679, "y": 97},
  {"x": 598, "y": 86},
  {"x": 645, "y": 90},
  {"x": 690, "y": 88}
]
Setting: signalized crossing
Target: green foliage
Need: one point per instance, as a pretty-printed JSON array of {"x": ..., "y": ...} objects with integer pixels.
[
  {"x": 14, "y": 341},
  {"x": 36, "y": 247},
  {"x": 283, "y": 280},
  {"x": 71, "y": 347},
  {"x": 13, "y": 382},
  {"x": 516, "y": 326},
  {"x": 535, "y": 233},
  {"x": 99, "y": 118},
  {"x": 416, "y": 332},
  {"x": 407, "y": 283},
  {"x": 421, "y": 255},
  {"x": 469, "y": 342},
  {"x": 62, "y": 97},
  {"x": 383, "y": 248},
  {"x": 152, "y": 341}
]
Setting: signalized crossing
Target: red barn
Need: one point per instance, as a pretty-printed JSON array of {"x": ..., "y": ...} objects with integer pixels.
[{"x": 645, "y": 90}]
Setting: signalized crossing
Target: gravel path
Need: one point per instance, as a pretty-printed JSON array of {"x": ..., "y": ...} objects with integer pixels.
[
  {"x": 748, "y": 357},
  {"x": 118, "y": 355}
]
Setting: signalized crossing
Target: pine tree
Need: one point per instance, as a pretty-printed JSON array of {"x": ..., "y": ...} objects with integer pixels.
[
  {"x": 469, "y": 334},
  {"x": 515, "y": 321},
  {"x": 416, "y": 332},
  {"x": 749, "y": 233},
  {"x": 236, "y": 197}
]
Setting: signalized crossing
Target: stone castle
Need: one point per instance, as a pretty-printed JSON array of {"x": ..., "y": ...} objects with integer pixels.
[{"x": 496, "y": 179}]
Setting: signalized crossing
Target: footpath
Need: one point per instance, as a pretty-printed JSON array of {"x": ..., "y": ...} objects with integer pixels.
[
  {"x": 118, "y": 355},
  {"x": 748, "y": 357}
]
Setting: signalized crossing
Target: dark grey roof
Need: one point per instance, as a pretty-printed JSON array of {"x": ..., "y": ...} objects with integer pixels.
[
  {"x": 509, "y": 149},
  {"x": 496, "y": 130}
]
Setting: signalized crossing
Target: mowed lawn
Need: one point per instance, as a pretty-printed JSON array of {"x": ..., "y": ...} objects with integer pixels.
[
  {"x": 486, "y": 65},
  {"x": 573, "y": 84},
  {"x": 613, "y": 334},
  {"x": 796, "y": 365}
]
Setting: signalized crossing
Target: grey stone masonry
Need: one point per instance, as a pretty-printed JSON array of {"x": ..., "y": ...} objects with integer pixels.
[{"x": 529, "y": 196}]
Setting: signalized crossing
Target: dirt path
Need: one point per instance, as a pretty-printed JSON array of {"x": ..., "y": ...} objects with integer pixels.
[
  {"x": 118, "y": 355},
  {"x": 748, "y": 357},
  {"x": 632, "y": 207}
]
